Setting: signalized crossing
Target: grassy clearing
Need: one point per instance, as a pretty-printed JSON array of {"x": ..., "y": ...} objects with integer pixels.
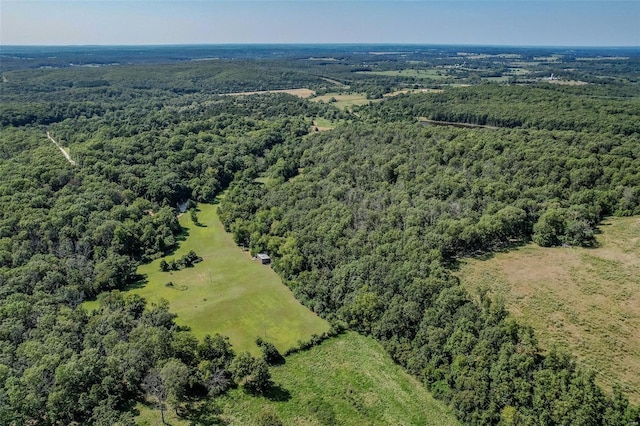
[
  {"x": 347, "y": 380},
  {"x": 302, "y": 93},
  {"x": 343, "y": 100},
  {"x": 228, "y": 293},
  {"x": 583, "y": 300},
  {"x": 346, "y": 101},
  {"x": 406, "y": 91},
  {"x": 265, "y": 180},
  {"x": 334, "y": 82},
  {"x": 323, "y": 124}
]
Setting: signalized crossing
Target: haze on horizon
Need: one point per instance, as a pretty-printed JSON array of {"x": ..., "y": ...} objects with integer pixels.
[{"x": 140, "y": 22}]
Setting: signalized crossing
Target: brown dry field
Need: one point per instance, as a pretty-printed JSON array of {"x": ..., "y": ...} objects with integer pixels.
[{"x": 583, "y": 300}]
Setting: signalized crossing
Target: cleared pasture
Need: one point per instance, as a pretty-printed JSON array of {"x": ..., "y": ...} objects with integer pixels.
[
  {"x": 347, "y": 380},
  {"x": 343, "y": 100},
  {"x": 323, "y": 124},
  {"x": 583, "y": 300},
  {"x": 228, "y": 292}
]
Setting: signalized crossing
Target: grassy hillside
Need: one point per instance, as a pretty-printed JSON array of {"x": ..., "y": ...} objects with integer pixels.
[
  {"x": 348, "y": 380},
  {"x": 228, "y": 292},
  {"x": 343, "y": 100},
  {"x": 584, "y": 300}
]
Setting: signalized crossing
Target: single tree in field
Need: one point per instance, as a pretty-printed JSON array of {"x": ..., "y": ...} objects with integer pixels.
[
  {"x": 175, "y": 376},
  {"x": 215, "y": 379},
  {"x": 269, "y": 352},
  {"x": 251, "y": 373},
  {"x": 164, "y": 266},
  {"x": 154, "y": 386},
  {"x": 194, "y": 216}
]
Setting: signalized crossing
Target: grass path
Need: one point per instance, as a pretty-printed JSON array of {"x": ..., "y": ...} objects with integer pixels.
[
  {"x": 583, "y": 300},
  {"x": 228, "y": 292}
]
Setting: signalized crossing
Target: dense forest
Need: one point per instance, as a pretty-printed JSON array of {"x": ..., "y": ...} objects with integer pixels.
[
  {"x": 368, "y": 232},
  {"x": 364, "y": 223},
  {"x": 69, "y": 233}
]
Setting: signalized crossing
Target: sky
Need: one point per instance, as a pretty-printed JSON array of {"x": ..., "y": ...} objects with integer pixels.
[{"x": 479, "y": 22}]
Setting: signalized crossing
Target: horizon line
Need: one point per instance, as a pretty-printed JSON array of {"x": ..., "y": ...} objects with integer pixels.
[{"x": 630, "y": 46}]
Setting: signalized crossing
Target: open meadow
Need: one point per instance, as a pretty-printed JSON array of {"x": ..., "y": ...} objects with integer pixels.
[
  {"x": 343, "y": 100},
  {"x": 228, "y": 292},
  {"x": 346, "y": 380},
  {"x": 323, "y": 124},
  {"x": 583, "y": 300}
]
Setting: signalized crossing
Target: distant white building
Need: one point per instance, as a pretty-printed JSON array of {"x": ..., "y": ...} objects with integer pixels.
[{"x": 263, "y": 258}]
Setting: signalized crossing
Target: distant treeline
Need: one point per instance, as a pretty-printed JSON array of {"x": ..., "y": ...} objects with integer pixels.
[{"x": 541, "y": 107}]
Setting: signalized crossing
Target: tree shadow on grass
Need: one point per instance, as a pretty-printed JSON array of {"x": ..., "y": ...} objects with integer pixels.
[
  {"x": 277, "y": 393},
  {"x": 205, "y": 413},
  {"x": 138, "y": 281},
  {"x": 183, "y": 235},
  {"x": 154, "y": 409},
  {"x": 487, "y": 254}
]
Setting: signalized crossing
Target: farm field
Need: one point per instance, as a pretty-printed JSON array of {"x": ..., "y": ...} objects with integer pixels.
[
  {"x": 347, "y": 380},
  {"x": 346, "y": 101},
  {"x": 430, "y": 74},
  {"x": 583, "y": 300},
  {"x": 343, "y": 100},
  {"x": 228, "y": 293}
]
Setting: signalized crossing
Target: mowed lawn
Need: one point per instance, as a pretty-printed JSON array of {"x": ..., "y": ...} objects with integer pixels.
[
  {"x": 583, "y": 300},
  {"x": 228, "y": 292}
]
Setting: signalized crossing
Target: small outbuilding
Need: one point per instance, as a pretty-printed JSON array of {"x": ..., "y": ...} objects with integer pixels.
[{"x": 264, "y": 258}]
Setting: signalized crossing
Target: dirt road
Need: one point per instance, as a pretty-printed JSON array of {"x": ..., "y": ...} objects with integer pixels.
[{"x": 64, "y": 152}]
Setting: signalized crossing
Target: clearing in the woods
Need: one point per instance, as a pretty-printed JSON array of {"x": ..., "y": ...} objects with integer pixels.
[
  {"x": 228, "y": 292},
  {"x": 583, "y": 300},
  {"x": 346, "y": 380}
]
